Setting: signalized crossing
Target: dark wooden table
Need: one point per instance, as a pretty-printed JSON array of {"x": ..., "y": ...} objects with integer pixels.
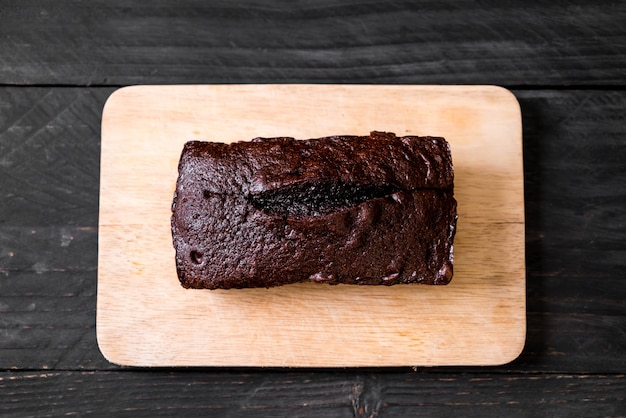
[{"x": 564, "y": 60}]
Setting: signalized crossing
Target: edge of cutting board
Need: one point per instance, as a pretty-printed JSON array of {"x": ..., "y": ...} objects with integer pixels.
[{"x": 145, "y": 318}]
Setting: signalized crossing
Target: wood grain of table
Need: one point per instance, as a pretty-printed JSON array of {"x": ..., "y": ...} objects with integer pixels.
[{"x": 565, "y": 61}]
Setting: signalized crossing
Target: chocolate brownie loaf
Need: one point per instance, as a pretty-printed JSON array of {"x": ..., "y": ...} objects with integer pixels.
[{"x": 375, "y": 210}]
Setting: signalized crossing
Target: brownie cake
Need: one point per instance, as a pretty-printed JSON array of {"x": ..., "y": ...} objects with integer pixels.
[{"x": 375, "y": 210}]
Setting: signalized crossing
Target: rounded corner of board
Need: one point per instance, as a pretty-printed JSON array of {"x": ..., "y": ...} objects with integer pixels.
[
  {"x": 506, "y": 95},
  {"x": 107, "y": 347},
  {"x": 515, "y": 352},
  {"x": 107, "y": 354},
  {"x": 117, "y": 96}
]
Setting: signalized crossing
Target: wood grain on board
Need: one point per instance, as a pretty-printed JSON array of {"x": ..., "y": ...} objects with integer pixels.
[{"x": 145, "y": 318}]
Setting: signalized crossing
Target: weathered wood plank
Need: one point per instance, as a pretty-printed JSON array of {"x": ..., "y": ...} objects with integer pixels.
[
  {"x": 574, "y": 153},
  {"x": 163, "y": 393},
  {"x": 575, "y": 183},
  {"x": 48, "y": 249},
  {"x": 574, "y": 148},
  {"x": 568, "y": 42},
  {"x": 575, "y": 176},
  {"x": 593, "y": 342},
  {"x": 50, "y": 156},
  {"x": 502, "y": 395},
  {"x": 49, "y": 188},
  {"x": 308, "y": 394},
  {"x": 47, "y": 321}
]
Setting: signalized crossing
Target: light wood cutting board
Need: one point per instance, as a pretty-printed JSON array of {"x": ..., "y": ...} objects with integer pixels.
[{"x": 145, "y": 318}]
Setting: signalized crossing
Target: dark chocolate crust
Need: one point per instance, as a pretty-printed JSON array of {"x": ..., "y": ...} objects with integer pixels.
[{"x": 375, "y": 209}]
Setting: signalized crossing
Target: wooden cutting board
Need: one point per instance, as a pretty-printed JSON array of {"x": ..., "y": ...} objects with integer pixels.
[{"x": 145, "y": 318}]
